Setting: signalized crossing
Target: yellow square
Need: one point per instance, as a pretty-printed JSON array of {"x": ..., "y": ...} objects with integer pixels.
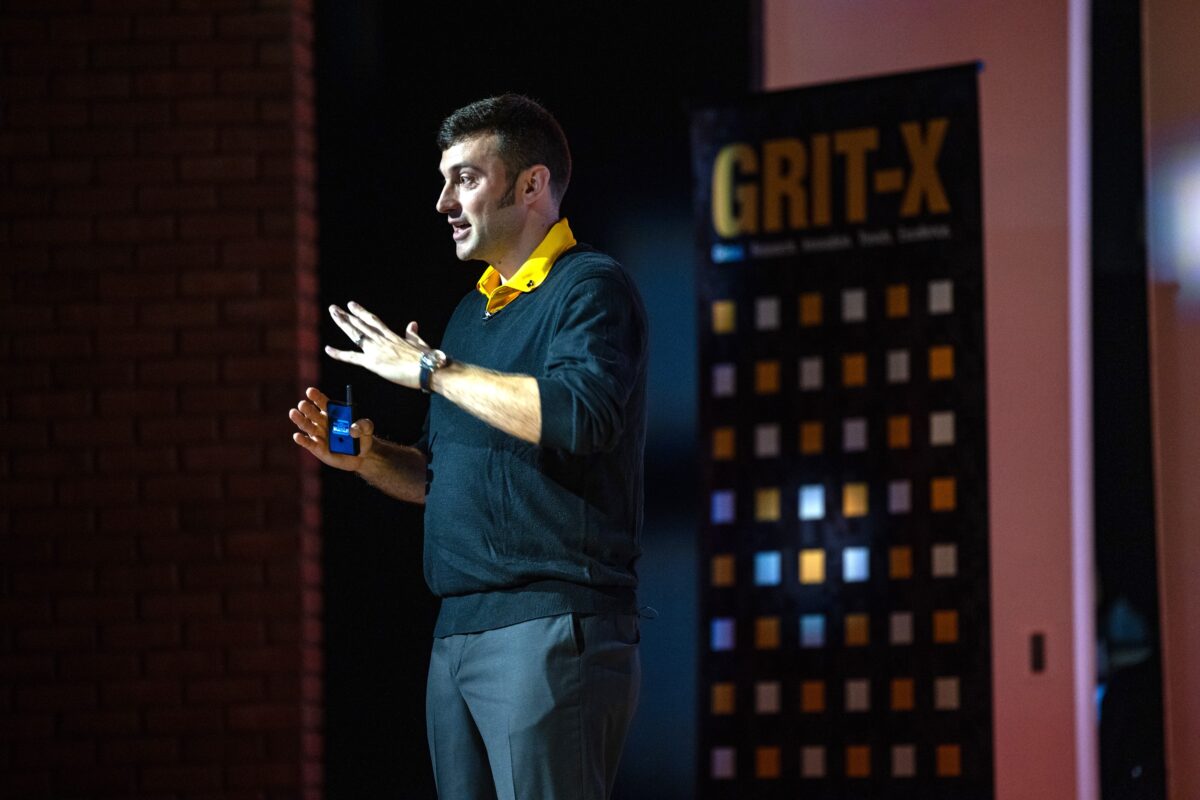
[
  {"x": 812, "y": 566},
  {"x": 812, "y": 438},
  {"x": 854, "y": 369},
  {"x": 854, "y": 500},
  {"x": 724, "y": 314},
  {"x": 724, "y": 698},
  {"x": 903, "y": 694},
  {"x": 766, "y": 762},
  {"x": 766, "y": 377},
  {"x": 899, "y": 432},
  {"x": 766, "y": 633},
  {"x": 900, "y": 562},
  {"x": 810, "y": 309},
  {"x": 858, "y": 761},
  {"x": 858, "y": 630},
  {"x": 897, "y": 301},
  {"x": 724, "y": 444},
  {"x": 941, "y": 363},
  {"x": 722, "y": 570},
  {"x": 812, "y": 697},
  {"x": 766, "y": 505},
  {"x": 949, "y": 761},
  {"x": 945, "y": 627},
  {"x": 943, "y": 494}
]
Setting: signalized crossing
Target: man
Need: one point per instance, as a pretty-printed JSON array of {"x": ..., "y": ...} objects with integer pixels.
[{"x": 530, "y": 469}]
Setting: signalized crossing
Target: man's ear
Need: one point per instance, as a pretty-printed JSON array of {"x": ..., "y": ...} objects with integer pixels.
[{"x": 535, "y": 184}]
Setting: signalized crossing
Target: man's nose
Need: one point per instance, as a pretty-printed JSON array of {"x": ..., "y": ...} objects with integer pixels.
[{"x": 446, "y": 201}]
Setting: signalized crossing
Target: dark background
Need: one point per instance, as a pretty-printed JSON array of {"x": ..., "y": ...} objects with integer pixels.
[{"x": 622, "y": 83}]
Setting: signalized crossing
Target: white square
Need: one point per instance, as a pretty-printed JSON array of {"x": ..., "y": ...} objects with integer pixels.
[
  {"x": 723, "y": 504},
  {"x": 723, "y": 763},
  {"x": 812, "y": 762},
  {"x": 854, "y": 305},
  {"x": 812, "y": 501},
  {"x": 766, "y": 313},
  {"x": 854, "y": 435},
  {"x": 899, "y": 497},
  {"x": 941, "y": 297},
  {"x": 944, "y": 560},
  {"x": 768, "y": 568},
  {"x": 904, "y": 761},
  {"x": 941, "y": 428},
  {"x": 855, "y": 564},
  {"x": 945, "y": 694},
  {"x": 900, "y": 627},
  {"x": 766, "y": 440},
  {"x": 858, "y": 694},
  {"x": 810, "y": 373},
  {"x": 897, "y": 366},
  {"x": 766, "y": 697},
  {"x": 724, "y": 380},
  {"x": 724, "y": 634}
]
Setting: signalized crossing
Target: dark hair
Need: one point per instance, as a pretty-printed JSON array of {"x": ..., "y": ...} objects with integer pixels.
[{"x": 526, "y": 134}]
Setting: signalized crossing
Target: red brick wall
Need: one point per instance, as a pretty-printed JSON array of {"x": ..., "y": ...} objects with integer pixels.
[{"x": 159, "y": 565}]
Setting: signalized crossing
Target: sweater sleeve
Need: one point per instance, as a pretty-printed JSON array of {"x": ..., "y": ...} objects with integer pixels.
[{"x": 594, "y": 361}]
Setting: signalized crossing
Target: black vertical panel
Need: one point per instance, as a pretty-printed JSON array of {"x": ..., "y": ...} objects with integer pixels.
[
  {"x": 1130, "y": 679},
  {"x": 620, "y": 78}
]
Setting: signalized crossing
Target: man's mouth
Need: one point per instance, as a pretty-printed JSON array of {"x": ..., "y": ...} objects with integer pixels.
[{"x": 459, "y": 230}]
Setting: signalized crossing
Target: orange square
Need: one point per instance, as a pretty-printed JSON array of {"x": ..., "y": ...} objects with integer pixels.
[
  {"x": 854, "y": 500},
  {"x": 766, "y": 762},
  {"x": 945, "y": 627},
  {"x": 810, "y": 309},
  {"x": 943, "y": 494},
  {"x": 812, "y": 566},
  {"x": 858, "y": 630},
  {"x": 724, "y": 444},
  {"x": 766, "y": 633},
  {"x": 812, "y": 696},
  {"x": 941, "y": 363},
  {"x": 858, "y": 761},
  {"x": 812, "y": 438},
  {"x": 854, "y": 369},
  {"x": 899, "y": 432},
  {"x": 949, "y": 761},
  {"x": 766, "y": 377},
  {"x": 897, "y": 301},
  {"x": 766, "y": 505},
  {"x": 722, "y": 570},
  {"x": 903, "y": 694},
  {"x": 724, "y": 698},
  {"x": 900, "y": 562},
  {"x": 724, "y": 316}
]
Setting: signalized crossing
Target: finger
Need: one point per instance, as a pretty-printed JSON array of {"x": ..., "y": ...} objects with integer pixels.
[
  {"x": 372, "y": 321},
  {"x": 307, "y": 426},
  {"x": 311, "y": 413},
  {"x": 307, "y": 443},
  {"x": 349, "y": 356},
  {"x": 353, "y": 327},
  {"x": 410, "y": 336},
  {"x": 317, "y": 397},
  {"x": 363, "y": 428}
]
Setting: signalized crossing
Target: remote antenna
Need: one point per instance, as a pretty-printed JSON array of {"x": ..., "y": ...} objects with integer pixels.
[{"x": 349, "y": 395}]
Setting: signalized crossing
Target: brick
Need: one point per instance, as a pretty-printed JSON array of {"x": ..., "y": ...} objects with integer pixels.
[
  {"x": 176, "y": 257},
  {"x": 259, "y": 603},
  {"x": 140, "y": 750},
  {"x": 93, "y": 142},
  {"x": 218, "y": 168},
  {"x": 59, "y": 172},
  {"x": 93, "y": 200},
  {"x": 52, "y": 345},
  {"x": 224, "y": 633},
  {"x": 181, "y": 487},
  {"x": 117, "y": 402},
  {"x": 177, "y": 198},
  {"x": 24, "y": 201},
  {"x": 173, "y": 27},
  {"x": 285, "y": 774},
  {"x": 257, "y": 26},
  {"x": 93, "y": 373},
  {"x": 179, "y": 314},
  {"x": 175, "y": 83},
  {"x": 189, "y": 779},
  {"x": 257, "y": 82},
  {"x": 273, "y": 659},
  {"x": 52, "y": 231},
  {"x": 60, "y": 637},
  {"x": 113, "y": 6},
  {"x": 131, "y": 344},
  {"x": 53, "y": 521},
  {"x": 185, "y": 663},
  {"x": 220, "y": 340},
  {"x": 215, "y": 54},
  {"x": 222, "y": 575},
  {"x": 47, "y": 114},
  {"x": 139, "y": 518},
  {"x": 240, "y": 400},
  {"x": 60, "y": 754},
  {"x": 141, "y": 636},
  {"x": 55, "y": 579},
  {"x": 131, "y": 55},
  {"x": 142, "y": 692},
  {"x": 226, "y": 748},
  {"x": 131, "y": 112},
  {"x": 93, "y": 432},
  {"x": 51, "y": 463},
  {"x": 223, "y": 517},
  {"x": 89, "y": 28},
  {"x": 137, "y": 229},
  {"x": 193, "y": 547},
  {"x": 222, "y": 458},
  {"x": 217, "y": 109},
  {"x": 179, "y": 371},
  {"x": 214, "y": 283},
  {"x": 96, "y": 549},
  {"x": 62, "y": 403},
  {"x": 91, "y": 85},
  {"x": 157, "y": 577},
  {"x": 264, "y": 717},
  {"x": 262, "y": 195},
  {"x": 95, "y": 607},
  {"x": 224, "y": 691},
  {"x": 98, "y": 665},
  {"x": 42, "y": 58},
  {"x": 25, "y": 665},
  {"x": 261, "y": 311},
  {"x": 219, "y": 225},
  {"x": 255, "y": 369},
  {"x": 17, "y": 29},
  {"x": 136, "y": 287},
  {"x": 190, "y": 141},
  {"x": 262, "y": 485},
  {"x": 17, "y": 727},
  {"x": 33, "y": 259},
  {"x": 176, "y": 605},
  {"x": 23, "y": 87},
  {"x": 60, "y": 696},
  {"x": 26, "y": 433},
  {"x": 178, "y": 430},
  {"x": 91, "y": 258},
  {"x": 150, "y": 169}
]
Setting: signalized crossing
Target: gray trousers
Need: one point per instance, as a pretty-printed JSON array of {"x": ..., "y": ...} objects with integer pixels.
[{"x": 533, "y": 711}]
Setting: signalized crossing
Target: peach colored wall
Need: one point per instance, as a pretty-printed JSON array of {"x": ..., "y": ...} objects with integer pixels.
[
  {"x": 1172, "y": 95},
  {"x": 1035, "y": 228}
]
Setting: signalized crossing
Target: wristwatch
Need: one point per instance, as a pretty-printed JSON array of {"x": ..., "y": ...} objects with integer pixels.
[{"x": 431, "y": 362}]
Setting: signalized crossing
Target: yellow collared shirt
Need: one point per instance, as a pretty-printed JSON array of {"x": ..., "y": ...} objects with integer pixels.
[{"x": 499, "y": 293}]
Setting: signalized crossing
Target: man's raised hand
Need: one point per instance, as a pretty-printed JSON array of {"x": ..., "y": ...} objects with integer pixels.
[
  {"x": 383, "y": 352},
  {"x": 313, "y": 434}
]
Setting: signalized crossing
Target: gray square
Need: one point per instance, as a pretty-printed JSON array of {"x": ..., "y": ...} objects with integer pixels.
[
  {"x": 941, "y": 428},
  {"x": 854, "y": 305},
  {"x": 944, "y": 560},
  {"x": 904, "y": 761},
  {"x": 724, "y": 380},
  {"x": 723, "y": 763},
  {"x": 941, "y": 297},
  {"x": 854, "y": 435},
  {"x": 810, "y": 373},
  {"x": 899, "y": 497},
  {"x": 900, "y": 627},
  {"x": 766, "y": 697},
  {"x": 946, "y": 694},
  {"x": 766, "y": 440},
  {"x": 812, "y": 762},
  {"x": 766, "y": 313},
  {"x": 897, "y": 366},
  {"x": 858, "y": 694}
]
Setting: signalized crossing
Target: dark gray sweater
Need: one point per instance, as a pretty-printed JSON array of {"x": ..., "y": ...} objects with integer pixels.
[{"x": 516, "y": 531}]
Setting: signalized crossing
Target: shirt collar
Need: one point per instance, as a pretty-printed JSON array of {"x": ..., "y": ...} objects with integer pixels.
[{"x": 491, "y": 285}]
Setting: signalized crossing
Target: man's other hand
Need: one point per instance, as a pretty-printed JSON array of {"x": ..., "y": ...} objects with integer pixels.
[{"x": 310, "y": 417}]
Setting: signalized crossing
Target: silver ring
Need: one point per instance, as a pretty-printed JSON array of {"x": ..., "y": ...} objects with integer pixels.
[{"x": 358, "y": 342}]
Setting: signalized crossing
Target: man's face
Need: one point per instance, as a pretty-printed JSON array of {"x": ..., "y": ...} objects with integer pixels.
[{"x": 485, "y": 223}]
